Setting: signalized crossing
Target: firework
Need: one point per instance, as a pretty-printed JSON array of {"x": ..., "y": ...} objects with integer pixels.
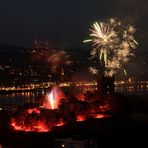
[
  {"x": 93, "y": 70},
  {"x": 55, "y": 58},
  {"x": 53, "y": 98},
  {"x": 113, "y": 44},
  {"x": 58, "y": 59}
]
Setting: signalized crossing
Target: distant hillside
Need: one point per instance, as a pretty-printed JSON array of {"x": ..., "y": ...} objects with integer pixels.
[
  {"x": 9, "y": 48},
  {"x": 11, "y": 54}
]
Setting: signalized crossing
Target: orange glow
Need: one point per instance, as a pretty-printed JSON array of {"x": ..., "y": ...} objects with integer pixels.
[
  {"x": 80, "y": 96},
  {"x": 33, "y": 120},
  {"x": 80, "y": 118},
  {"x": 104, "y": 108},
  {"x": 34, "y": 110},
  {"x": 39, "y": 126},
  {"x": 38, "y": 119},
  {"x": 60, "y": 123},
  {"x": 100, "y": 116}
]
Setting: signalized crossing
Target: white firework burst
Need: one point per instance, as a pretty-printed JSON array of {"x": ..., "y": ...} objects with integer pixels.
[{"x": 113, "y": 43}]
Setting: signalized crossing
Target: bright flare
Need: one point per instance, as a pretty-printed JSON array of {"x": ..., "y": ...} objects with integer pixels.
[
  {"x": 113, "y": 44},
  {"x": 51, "y": 99}
]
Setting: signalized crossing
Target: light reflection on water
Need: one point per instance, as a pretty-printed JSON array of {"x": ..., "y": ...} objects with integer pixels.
[{"x": 20, "y": 98}]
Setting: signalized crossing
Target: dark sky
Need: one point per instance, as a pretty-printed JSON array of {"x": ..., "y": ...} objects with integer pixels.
[{"x": 64, "y": 21}]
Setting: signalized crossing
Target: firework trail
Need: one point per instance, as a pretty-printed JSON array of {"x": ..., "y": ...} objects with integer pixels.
[
  {"x": 113, "y": 44},
  {"x": 55, "y": 58}
]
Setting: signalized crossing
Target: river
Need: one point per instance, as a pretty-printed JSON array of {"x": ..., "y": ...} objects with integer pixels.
[{"x": 20, "y": 98}]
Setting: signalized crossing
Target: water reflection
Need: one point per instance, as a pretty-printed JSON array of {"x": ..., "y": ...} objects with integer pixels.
[{"x": 20, "y": 98}]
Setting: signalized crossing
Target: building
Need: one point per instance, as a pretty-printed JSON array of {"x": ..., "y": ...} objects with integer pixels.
[{"x": 105, "y": 86}]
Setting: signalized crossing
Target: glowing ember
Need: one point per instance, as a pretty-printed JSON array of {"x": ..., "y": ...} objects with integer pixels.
[
  {"x": 104, "y": 108},
  {"x": 36, "y": 120},
  {"x": 44, "y": 119},
  {"x": 60, "y": 123},
  {"x": 33, "y": 110},
  {"x": 101, "y": 116},
  {"x": 31, "y": 120},
  {"x": 38, "y": 126},
  {"x": 80, "y": 118}
]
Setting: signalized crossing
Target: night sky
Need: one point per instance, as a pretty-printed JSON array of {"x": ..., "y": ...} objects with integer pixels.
[{"x": 66, "y": 21}]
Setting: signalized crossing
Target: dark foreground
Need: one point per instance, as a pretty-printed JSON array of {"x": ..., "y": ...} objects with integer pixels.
[{"x": 108, "y": 132}]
